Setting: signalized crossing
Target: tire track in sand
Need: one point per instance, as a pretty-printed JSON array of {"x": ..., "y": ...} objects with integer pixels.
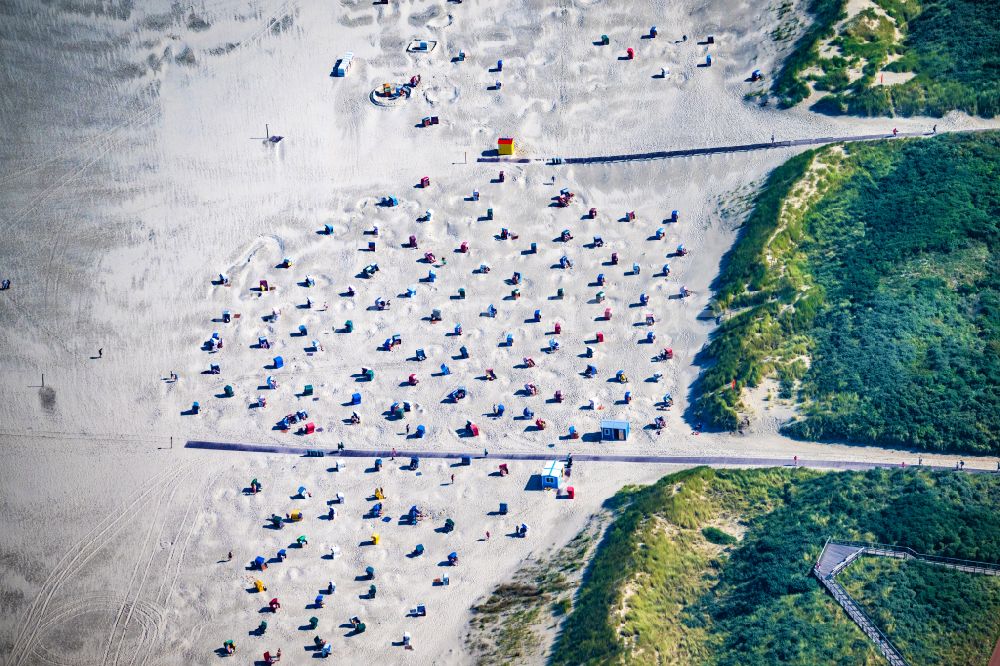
[
  {"x": 75, "y": 558},
  {"x": 161, "y": 513}
]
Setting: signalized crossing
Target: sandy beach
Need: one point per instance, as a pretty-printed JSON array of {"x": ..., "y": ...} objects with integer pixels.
[{"x": 136, "y": 171}]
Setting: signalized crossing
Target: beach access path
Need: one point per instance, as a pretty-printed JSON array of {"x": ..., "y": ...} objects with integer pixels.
[
  {"x": 714, "y": 150},
  {"x": 711, "y": 461}
]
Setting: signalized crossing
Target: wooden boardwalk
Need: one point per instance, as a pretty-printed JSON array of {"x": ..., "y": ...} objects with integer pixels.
[
  {"x": 837, "y": 555},
  {"x": 714, "y": 150}
]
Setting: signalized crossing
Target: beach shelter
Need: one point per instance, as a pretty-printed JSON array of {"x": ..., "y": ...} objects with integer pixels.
[
  {"x": 505, "y": 145},
  {"x": 349, "y": 326},
  {"x": 376, "y": 538},
  {"x": 259, "y": 563},
  {"x": 228, "y": 391},
  {"x": 279, "y": 362},
  {"x": 355, "y": 398},
  {"x": 369, "y": 374},
  {"x": 421, "y": 431},
  {"x": 310, "y": 428},
  {"x": 503, "y": 508},
  {"x": 259, "y": 585},
  {"x": 419, "y": 550},
  {"x": 295, "y": 516},
  {"x": 571, "y": 492},
  {"x": 552, "y": 474},
  {"x": 613, "y": 431},
  {"x": 302, "y": 540},
  {"x": 328, "y": 229}
]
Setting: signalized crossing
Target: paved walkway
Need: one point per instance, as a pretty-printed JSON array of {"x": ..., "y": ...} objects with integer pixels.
[
  {"x": 712, "y": 461},
  {"x": 712, "y": 150}
]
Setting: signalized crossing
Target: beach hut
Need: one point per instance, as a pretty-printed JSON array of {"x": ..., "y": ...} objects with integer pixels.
[
  {"x": 614, "y": 431},
  {"x": 505, "y": 145},
  {"x": 552, "y": 474},
  {"x": 343, "y": 65}
]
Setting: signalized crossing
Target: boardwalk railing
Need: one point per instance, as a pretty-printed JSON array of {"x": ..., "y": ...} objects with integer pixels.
[
  {"x": 860, "y": 618},
  {"x": 859, "y": 548},
  {"x": 904, "y": 553}
]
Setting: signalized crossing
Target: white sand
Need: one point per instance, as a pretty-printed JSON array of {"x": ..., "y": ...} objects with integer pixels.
[{"x": 131, "y": 179}]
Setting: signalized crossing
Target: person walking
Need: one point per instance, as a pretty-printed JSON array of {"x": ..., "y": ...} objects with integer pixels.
[
  {"x": 452, "y": 479},
  {"x": 487, "y": 535},
  {"x": 100, "y": 353},
  {"x": 229, "y": 557}
]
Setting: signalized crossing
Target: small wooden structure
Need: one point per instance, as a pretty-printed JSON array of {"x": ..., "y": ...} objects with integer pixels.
[
  {"x": 614, "y": 431},
  {"x": 552, "y": 474}
]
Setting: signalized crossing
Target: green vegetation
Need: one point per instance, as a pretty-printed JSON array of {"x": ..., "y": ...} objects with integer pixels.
[
  {"x": 657, "y": 591},
  {"x": 866, "y": 283},
  {"x": 717, "y": 536},
  {"x": 932, "y": 615},
  {"x": 505, "y": 627},
  {"x": 949, "y": 46}
]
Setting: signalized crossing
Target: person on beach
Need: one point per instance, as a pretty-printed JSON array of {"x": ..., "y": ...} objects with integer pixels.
[
  {"x": 487, "y": 535},
  {"x": 229, "y": 557},
  {"x": 452, "y": 479},
  {"x": 100, "y": 353}
]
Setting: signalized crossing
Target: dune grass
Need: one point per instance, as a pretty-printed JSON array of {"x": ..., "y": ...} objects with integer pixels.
[
  {"x": 949, "y": 46},
  {"x": 865, "y": 280},
  {"x": 934, "y": 616},
  {"x": 658, "y": 592}
]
